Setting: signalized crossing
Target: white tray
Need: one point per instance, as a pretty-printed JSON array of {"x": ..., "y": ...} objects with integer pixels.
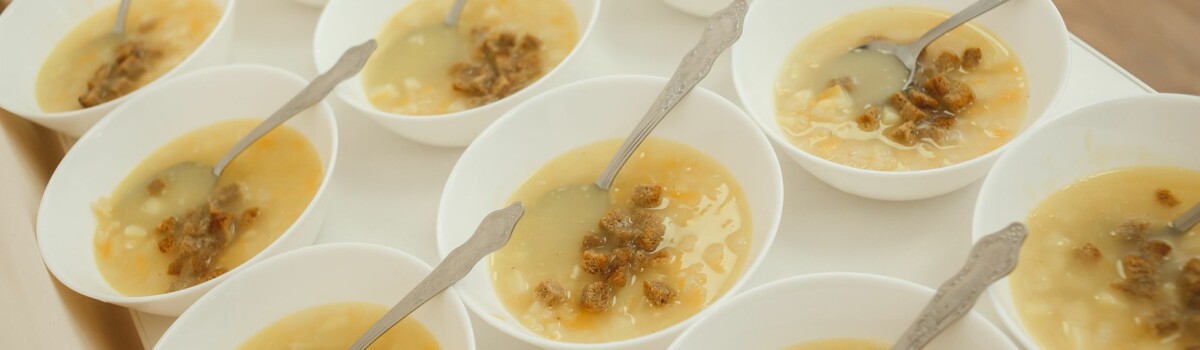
[{"x": 386, "y": 188}]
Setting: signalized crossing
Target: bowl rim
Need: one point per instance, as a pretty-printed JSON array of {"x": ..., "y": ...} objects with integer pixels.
[
  {"x": 460, "y": 312},
  {"x": 37, "y": 112},
  {"x": 1011, "y": 321},
  {"x": 749, "y": 296},
  {"x": 521, "y": 332},
  {"x": 522, "y": 94},
  {"x": 1061, "y": 35},
  {"x": 322, "y": 111}
]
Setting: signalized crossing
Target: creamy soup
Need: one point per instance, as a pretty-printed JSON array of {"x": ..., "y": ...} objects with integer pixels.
[
  {"x": 163, "y": 245},
  {"x": 568, "y": 274},
  {"x": 968, "y": 97},
  {"x": 337, "y": 326},
  {"x": 91, "y": 65},
  {"x": 498, "y": 48},
  {"x": 839, "y": 344},
  {"x": 1100, "y": 270}
]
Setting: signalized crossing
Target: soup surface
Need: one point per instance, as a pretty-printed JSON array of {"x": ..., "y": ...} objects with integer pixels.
[
  {"x": 968, "y": 98},
  {"x": 90, "y": 65},
  {"x": 337, "y": 326},
  {"x": 498, "y": 48},
  {"x": 162, "y": 245},
  {"x": 672, "y": 235},
  {"x": 839, "y": 344},
  {"x": 1100, "y": 270}
]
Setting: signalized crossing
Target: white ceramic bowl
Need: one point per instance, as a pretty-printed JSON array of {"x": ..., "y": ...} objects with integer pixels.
[
  {"x": 325, "y": 273},
  {"x": 1138, "y": 131},
  {"x": 1033, "y": 29},
  {"x": 31, "y": 29},
  {"x": 545, "y": 127},
  {"x": 833, "y": 305},
  {"x": 346, "y": 23},
  {"x": 106, "y": 154}
]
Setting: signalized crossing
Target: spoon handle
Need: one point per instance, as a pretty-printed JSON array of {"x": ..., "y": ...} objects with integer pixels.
[
  {"x": 722, "y": 30},
  {"x": 1187, "y": 220},
  {"x": 978, "y": 8},
  {"x": 347, "y": 66},
  {"x": 122, "y": 13},
  {"x": 993, "y": 257},
  {"x": 492, "y": 234},
  {"x": 455, "y": 12}
]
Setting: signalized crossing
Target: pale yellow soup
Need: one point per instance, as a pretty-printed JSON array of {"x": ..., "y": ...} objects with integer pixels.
[
  {"x": 175, "y": 27},
  {"x": 420, "y": 84},
  {"x": 1069, "y": 302},
  {"x": 839, "y": 344},
  {"x": 819, "y": 118},
  {"x": 337, "y": 326},
  {"x": 707, "y": 222},
  {"x": 281, "y": 173}
]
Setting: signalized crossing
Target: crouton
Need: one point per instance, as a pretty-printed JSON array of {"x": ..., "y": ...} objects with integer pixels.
[
  {"x": 1140, "y": 277},
  {"x": 596, "y": 297},
  {"x": 595, "y": 263},
  {"x": 1189, "y": 284},
  {"x": 647, "y": 196},
  {"x": 658, "y": 293},
  {"x": 904, "y": 134},
  {"x": 971, "y": 58},
  {"x": 592, "y": 239},
  {"x": 550, "y": 293},
  {"x": 1165, "y": 197},
  {"x": 922, "y": 100},
  {"x": 869, "y": 120},
  {"x": 946, "y": 61}
]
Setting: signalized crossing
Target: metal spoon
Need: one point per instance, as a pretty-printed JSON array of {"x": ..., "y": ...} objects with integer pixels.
[
  {"x": 492, "y": 234},
  {"x": 1185, "y": 222},
  {"x": 993, "y": 257},
  {"x": 908, "y": 53},
  {"x": 201, "y": 178},
  {"x": 122, "y": 13},
  {"x": 455, "y": 12},
  {"x": 722, "y": 30}
]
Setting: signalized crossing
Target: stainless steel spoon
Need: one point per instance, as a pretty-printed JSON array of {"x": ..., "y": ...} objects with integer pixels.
[
  {"x": 493, "y": 233},
  {"x": 122, "y": 14},
  {"x": 721, "y": 31},
  {"x": 1185, "y": 222},
  {"x": 908, "y": 53},
  {"x": 201, "y": 178},
  {"x": 455, "y": 12},
  {"x": 993, "y": 257}
]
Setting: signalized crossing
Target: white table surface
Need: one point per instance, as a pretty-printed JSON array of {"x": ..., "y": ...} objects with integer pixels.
[{"x": 386, "y": 188}]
